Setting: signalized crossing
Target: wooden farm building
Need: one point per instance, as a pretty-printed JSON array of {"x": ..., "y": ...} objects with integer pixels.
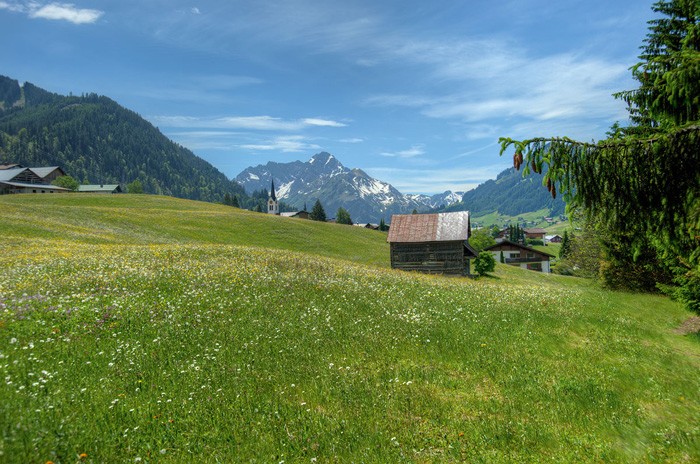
[
  {"x": 431, "y": 243},
  {"x": 17, "y": 179}
]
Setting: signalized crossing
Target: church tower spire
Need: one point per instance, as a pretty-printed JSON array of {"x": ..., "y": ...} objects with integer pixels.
[{"x": 273, "y": 206}]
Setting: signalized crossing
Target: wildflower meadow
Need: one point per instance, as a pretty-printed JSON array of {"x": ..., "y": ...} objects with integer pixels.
[{"x": 184, "y": 349}]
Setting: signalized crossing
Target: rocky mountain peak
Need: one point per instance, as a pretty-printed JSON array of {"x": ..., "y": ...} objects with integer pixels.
[{"x": 325, "y": 178}]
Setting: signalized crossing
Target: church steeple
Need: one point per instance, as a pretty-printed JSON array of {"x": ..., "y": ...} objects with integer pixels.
[{"x": 273, "y": 206}]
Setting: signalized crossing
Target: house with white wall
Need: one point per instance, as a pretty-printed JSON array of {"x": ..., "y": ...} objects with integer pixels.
[{"x": 515, "y": 254}]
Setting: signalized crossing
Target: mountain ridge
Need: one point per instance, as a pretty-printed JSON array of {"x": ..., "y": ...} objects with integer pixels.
[
  {"x": 324, "y": 178},
  {"x": 96, "y": 140}
]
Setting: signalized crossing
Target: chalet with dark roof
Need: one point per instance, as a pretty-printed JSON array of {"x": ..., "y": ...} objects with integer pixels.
[
  {"x": 522, "y": 256},
  {"x": 431, "y": 243},
  {"x": 535, "y": 233}
]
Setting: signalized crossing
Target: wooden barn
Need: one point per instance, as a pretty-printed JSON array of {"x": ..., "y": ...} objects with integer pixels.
[
  {"x": 26, "y": 180},
  {"x": 431, "y": 243}
]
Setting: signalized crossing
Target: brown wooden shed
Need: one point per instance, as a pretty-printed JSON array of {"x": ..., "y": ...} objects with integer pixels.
[{"x": 431, "y": 243}]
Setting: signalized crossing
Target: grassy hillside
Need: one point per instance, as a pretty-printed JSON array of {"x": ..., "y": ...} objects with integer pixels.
[
  {"x": 147, "y": 329},
  {"x": 147, "y": 219}
]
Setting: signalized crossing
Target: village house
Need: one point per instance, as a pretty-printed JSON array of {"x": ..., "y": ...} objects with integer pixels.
[
  {"x": 431, "y": 243},
  {"x": 522, "y": 256},
  {"x": 368, "y": 225},
  {"x": 553, "y": 239},
  {"x": 296, "y": 214},
  {"x": 535, "y": 233}
]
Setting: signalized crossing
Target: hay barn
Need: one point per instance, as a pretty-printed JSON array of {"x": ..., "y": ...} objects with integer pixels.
[{"x": 431, "y": 243}]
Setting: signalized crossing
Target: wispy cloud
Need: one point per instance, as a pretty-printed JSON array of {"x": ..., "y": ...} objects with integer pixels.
[
  {"x": 496, "y": 77},
  {"x": 322, "y": 122},
  {"x": 436, "y": 180},
  {"x": 352, "y": 140},
  {"x": 563, "y": 86},
  {"x": 263, "y": 123},
  {"x": 14, "y": 7},
  {"x": 54, "y": 11},
  {"x": 415, "y": 150},
  {"x": 285, "y": 144}
]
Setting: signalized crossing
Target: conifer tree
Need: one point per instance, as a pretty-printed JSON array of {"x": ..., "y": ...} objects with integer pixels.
[
  {"x": 565, "y": 246},
  {"x": 641, "y": 185},
  {"x": 317, "y": 212}
]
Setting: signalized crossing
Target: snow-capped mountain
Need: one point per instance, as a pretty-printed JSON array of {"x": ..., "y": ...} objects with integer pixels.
[
  {"x": 323, "y": 177},
  {"x": 439, "y": 200}
]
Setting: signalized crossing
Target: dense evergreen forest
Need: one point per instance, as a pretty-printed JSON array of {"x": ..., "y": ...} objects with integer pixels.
[
  {"x": 510, "y": 194},
  {"x": 97, "y": 141}
]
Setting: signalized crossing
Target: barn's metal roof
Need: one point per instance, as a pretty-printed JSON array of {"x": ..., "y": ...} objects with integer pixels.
[
  {"x": 45, "y": 171},
  {"x": 9, "y": 174},
  {"x": 98, "y": 188},
  {"x": 439, "y": 227},
  {"x": 34, "y": 186}
]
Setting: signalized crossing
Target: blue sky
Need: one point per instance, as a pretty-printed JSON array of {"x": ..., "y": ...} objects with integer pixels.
[{"x": 415, "y": 93}]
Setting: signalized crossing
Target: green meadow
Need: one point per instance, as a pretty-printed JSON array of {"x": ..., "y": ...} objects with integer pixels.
[{"x": 152, "y": 329}]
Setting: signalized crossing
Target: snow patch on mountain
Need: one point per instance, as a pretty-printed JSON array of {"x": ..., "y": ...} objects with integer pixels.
[
  {"x": 283, "y": 190},
  {"x": 323, "y": 177}
]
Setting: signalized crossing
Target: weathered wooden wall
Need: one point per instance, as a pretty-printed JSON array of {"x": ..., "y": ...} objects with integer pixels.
[{"x": 430, "y": 257}]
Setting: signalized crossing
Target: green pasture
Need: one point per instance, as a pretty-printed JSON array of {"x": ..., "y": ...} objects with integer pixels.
[{"x": 150, "y": 329}]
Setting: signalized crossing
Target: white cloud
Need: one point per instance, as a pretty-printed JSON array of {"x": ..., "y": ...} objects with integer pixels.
[
  {"x": 64, "y": 12},
  {"x": 195, "y": 10},
  {"x": 286, "y": 144},
  {"x": 14, "y": 7},
  {"x": 557, "y": 87},
  {"x": 431, "y": 181},
  {"x": 264, "y": 123},
  {"x": 352, "y": 140},
  {"x": 257, "y": 123},
  {"x": 322, "y": 122},
  {"x": 415, "y": 150}
]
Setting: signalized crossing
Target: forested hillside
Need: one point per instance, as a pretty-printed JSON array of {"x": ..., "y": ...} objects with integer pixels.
[
  {"x": 510, "y": 194},
  {"x": 96, "y": 140}
]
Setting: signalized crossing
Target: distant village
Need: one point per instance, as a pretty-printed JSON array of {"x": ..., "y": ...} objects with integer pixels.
[{"x": 435, "y": 243}]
